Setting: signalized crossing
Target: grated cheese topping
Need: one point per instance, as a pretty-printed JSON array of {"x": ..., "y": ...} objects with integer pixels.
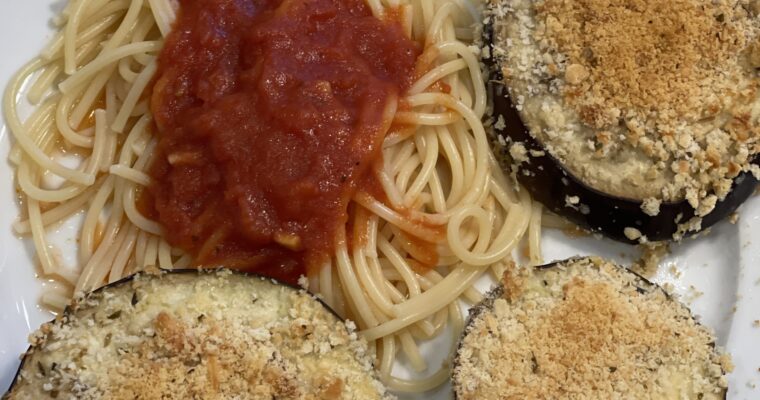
[
  {"x": 586, "y": 329},
  {"x": 198, "y": 336},
  {"x": 643, "y": 99}
]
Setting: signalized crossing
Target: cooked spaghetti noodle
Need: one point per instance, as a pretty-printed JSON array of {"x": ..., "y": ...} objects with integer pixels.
[{"x": 89, "y": 91}]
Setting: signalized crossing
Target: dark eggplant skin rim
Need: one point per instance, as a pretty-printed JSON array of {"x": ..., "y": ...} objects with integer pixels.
[
  {"x": 549, "y": 182},
  {"x": 128, "y": 279},
  {"x": 486, "y": 305}
]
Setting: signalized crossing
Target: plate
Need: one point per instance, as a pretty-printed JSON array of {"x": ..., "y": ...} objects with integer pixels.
[{"x": 718, "y": 274}]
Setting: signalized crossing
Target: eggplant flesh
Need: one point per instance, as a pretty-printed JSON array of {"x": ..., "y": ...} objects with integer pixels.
[
  {"x": 551, "y": 183},
  {"x": 513, "y": 287},
  {"x": 196, "y": 334}
]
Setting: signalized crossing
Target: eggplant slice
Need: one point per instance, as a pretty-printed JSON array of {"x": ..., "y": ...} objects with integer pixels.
[
  {"x": 585, "y": 328},
  {"x": 631, "y": 213},
  {"x": 197, "y": 335}
]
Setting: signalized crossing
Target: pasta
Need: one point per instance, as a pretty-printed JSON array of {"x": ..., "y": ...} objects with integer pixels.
[{"x": 90, "y": 92}]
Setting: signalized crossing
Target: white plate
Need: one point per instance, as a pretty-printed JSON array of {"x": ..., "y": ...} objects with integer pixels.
[{"x": 725, "y": 265}]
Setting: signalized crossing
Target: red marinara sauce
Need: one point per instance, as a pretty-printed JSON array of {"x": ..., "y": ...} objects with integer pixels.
[{"x": 270, "y": 116}]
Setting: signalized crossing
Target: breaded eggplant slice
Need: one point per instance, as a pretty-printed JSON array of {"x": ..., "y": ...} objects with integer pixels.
[
  {"x": 585, "y": 328},
  {"x": 197, "y": 335},
  {"x": 636, "y": 120}
]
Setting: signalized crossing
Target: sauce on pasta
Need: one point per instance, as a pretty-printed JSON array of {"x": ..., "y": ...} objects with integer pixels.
[{"x": 270, "y": 116}]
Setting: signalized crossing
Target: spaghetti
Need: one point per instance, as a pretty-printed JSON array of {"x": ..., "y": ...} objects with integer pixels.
[{"x": 89, "y": 90}]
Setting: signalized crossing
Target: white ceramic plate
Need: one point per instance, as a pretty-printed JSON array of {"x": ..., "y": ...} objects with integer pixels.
[{"x": 724, "y": 266}]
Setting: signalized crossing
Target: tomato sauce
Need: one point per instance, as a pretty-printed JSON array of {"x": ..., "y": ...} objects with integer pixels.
[{"x": 270, "y": 114}]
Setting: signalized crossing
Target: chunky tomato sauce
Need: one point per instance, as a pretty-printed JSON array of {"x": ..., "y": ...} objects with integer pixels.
[{"x": 269, "y": 114}]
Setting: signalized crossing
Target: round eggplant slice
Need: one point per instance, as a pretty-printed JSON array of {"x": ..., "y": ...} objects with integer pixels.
[
  {"x": 197, "y": 335},
  {"x": 585, "y": 328},
  {"x": 605, "y": 191}
]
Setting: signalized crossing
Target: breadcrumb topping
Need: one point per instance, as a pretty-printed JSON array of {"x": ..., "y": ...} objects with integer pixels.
[
  {"x": 188, "y": 336},
  {"x": 639, "y": 98},
  {"x": 586, "y": 329}
]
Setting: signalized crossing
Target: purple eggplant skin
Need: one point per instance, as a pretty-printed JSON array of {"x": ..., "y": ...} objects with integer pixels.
[
  {"x": 550, "y": 183},
  {"x": 643, "y": 285},
  {"x": 123, "y": 281}
]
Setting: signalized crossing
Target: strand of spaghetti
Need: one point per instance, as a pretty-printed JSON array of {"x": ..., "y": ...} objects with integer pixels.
[
  {"x": 429, "y": 147},
  {"x": 477, "y": 215},
  {"x": 436, "y": 193},
  {"x": 396, "y": 219},
  {"x": 151, "y": 252},
  {"x": 459, "y": 48},
  {"x": 38, "y": 236},
  {"x": 351, "y": 284},
  {"x": 164, "y": 14},
  {"x": 479, "y": 135},
  {"x": 141, "y": 245},
  {"x": 404, "y": 175},
  {"x": 130, "y": 174},
  {"x": 184, "y": 261},
  {"x": 96, "y": 269},
  {"x": 397, "y": 157},
  {"x": 412, "y": 352},
  {"x": 115, "y": 221},
  {"x": 164, "y": 255},
  {"x": 464, "y": 143},
  {"x": 471, "y": 9},
  {"x": 428, "y": 302},
  {"x": 77, "y": 103},
  {"x": 43, "y": 82},
  {"x": 136, "y": 143},
  {"x": 429, "y": 119},
  {"x": 513, "y": 229},
  {"x": 377, "y": 8},
  {"x": 69, "y": 36},
  {"x": 55, "y": 300},
  {"x": 59, "y": 212},
  {"x": 107, "y": 58},
  {"x": 374, "y": 291},
  {"x": 125, "y": 70},
  {"x": 370, "y": 248},
  {"x": 441, "y": 375},
  {"x": 436, "y": 74},
  {"x": 138, "y": 87},
  {"x": 456, "y": 167},
  {"x": 134, "y": 215},
  {"x": 127, "y": 25},
  {"x": 99, "y": 146},
  {"x": 68, "y": 104},
  {"x": 387, "y": 356},
  {"x": 418, "y": 27},
  {"x": 427, "y": 8},
  {"x": 109, "y": 14},
  {"x": 25, "y": 142},
  {"x": 343, "y": 301},
  {"x": 325, "y": 285},
  {"x": 144, "y": 26},
  {"x": 406, "y": 19},
  {"x": 397, "y": 261},
  {"x": 37, "y": 127},
  {"x": 123, "y": 255},
  {"x": 534, "y": 235},
  {"x": 436, "y": 25},
  {"x": 112, "y": 258},
  {"x": 376, "y": 272},
  {"x": 87, "y": 238},
  {"x": 29, "y": 184}
]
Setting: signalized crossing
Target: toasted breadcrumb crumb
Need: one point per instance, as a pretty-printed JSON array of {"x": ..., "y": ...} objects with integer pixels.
[
  {"x": 184, "y": 336},
  {"x": 585, "y": 329},
  {"x": 646, "y": 99}
]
